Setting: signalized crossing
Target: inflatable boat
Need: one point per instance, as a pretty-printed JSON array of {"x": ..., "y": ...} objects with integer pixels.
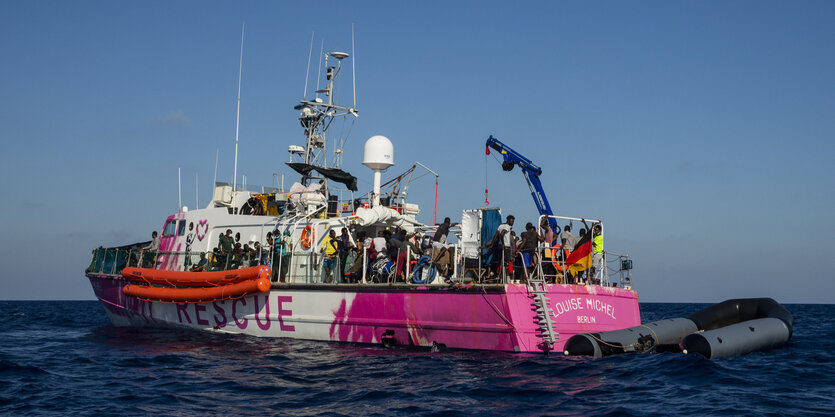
[
  {"x": 210, "y": 286},
  {"x": 733, "y": 327}
]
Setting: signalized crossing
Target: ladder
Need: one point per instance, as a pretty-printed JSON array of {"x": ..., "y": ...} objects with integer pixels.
[{"x": 537, "y": 290}]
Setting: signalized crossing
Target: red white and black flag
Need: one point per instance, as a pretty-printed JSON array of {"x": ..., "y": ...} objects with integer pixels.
[{"x": 580, "y": 259}]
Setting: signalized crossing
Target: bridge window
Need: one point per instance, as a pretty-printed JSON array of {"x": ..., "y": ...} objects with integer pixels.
[{"x": 170, "y": 228}]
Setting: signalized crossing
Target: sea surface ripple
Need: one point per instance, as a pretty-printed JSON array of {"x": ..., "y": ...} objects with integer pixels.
[{"x": 64, "y": 358}]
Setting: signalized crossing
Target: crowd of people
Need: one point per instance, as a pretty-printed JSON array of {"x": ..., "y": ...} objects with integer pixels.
[
  {"x": 348, "y": 257},
  {"x": 342, "y": 256},
  {"x": 549, "y": 245}
]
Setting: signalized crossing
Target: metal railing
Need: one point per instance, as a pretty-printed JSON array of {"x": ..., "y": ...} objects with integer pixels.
[
  {"x": 112, "y": 261},
  {"x": 312, "y": 267}
]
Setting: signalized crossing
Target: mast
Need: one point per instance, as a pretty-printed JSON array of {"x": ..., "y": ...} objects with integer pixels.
[
  {"x": 317, "y": 114},
  {"x": 238, "y": 117}
]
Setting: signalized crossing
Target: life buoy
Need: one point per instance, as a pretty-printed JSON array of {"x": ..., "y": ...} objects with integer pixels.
[
  {"x": 307, "y": 236},
  {"x": 555, "y": 250}
]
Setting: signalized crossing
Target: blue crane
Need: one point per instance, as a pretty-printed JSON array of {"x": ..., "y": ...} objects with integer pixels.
[{"x": 531, "y": 172}]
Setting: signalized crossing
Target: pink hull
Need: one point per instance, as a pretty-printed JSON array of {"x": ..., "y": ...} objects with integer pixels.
[{"x": 469, "y": 317}]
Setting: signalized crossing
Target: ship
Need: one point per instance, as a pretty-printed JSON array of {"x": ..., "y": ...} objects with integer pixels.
[{"x": 322, "y": 261}]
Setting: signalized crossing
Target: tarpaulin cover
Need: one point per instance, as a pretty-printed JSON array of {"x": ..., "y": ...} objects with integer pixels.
[
  {"x": 490, "y": 220},
  {"x": 301, "y": 168},
  {"x": 334, "y": 174},
  {"x": 470, "y": 233}
]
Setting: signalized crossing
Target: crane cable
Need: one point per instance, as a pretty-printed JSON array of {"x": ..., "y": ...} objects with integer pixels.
[
  {"x": 435, "y": 214},
  {"x": 486, "y": 153}
]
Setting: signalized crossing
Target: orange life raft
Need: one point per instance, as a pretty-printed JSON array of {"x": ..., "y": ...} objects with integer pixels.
[
  {"x": 197, "y": 295},
  {"x": 213, "y": 286},
  {"x": 196, "y": 279}
]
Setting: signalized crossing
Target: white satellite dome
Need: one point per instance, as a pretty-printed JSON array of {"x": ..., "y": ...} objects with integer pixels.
[{"x": 378, "y": 153}]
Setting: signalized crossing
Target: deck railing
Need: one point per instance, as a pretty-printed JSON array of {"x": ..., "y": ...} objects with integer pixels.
[
  {"x": 311, "y": 267},
  {"x": 111, "y": 261}
]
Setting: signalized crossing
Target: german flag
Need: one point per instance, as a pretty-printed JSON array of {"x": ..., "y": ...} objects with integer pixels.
[{"x": 580, "y": 259}]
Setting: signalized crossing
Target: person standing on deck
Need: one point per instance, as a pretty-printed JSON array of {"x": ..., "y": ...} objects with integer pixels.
[
  {"x": 547, "y": 231},
  {"x": 329, "y": 249},
  {"x": 568, "y": 239},
  {"x": 344, "y": 245},
  {"x": 151, "y": 250},
  {"x": 504, "y": 252},
  {"x": 597, "y": 251},
  {"x": 442, "y": 232},
  {"x": 281, "y": 256},
  {"x": 439, "y": 246},
  {"x": 528, "y": 245},
  {"x": 226, "y": 247}
]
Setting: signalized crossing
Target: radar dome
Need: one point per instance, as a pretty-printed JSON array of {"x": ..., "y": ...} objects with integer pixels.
[{"x": 378, "y": 153}]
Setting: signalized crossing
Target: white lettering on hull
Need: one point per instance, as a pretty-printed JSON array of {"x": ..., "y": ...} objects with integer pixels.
[{"x": 577, "y": 304}]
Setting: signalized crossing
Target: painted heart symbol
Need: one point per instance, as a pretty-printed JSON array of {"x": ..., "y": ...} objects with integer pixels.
[{"x": 202, "y": 229}]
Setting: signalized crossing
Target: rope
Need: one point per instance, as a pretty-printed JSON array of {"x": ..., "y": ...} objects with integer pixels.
[
  {"x": 496, "y": 309},
  {"x": 435, "y": 213},
  {"x": 486, "y": 201},
  {"x": 601, "y": 341}
]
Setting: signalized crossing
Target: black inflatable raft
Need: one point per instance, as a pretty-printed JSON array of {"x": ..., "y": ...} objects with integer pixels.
[{"x": 732, "y": 327}]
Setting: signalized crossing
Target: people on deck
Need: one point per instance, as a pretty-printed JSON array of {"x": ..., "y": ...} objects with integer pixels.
[
  {"x": 597, "y": 261},
  {"x": 344, "y": 246},
  {"x": 547, "y": 231},
  {"x": 399, "y": 253},
  {"x": 215, "y": 260},
  {"x": 528, "y": 245},
  {"x": 150, "y": 251},
  {"x": 439, "y": 247},
  {"x": 286, "y": 242},
  {"x": 379, "y": 242},
  {"x": 237, "y": 256},
  {"x": 502, "y": 243},
  {"x": 354, "y": 273},
  {"x": 247, "y": 256},
  {"x": 331, "y": 255},
  {"x": 200, "y": 266},
  {"x": 256, "y": 254},
  {"x": 442, "y": 232},
  {"x": 568, "y": 239}
]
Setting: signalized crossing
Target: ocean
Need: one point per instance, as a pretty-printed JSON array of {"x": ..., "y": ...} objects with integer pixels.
[{"x": 64, "y": 358}]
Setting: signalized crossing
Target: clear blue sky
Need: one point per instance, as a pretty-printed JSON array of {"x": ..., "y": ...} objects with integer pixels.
[{"x": 700, "y": 132}]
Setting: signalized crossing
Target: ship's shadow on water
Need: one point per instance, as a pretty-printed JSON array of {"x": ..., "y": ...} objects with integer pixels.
[{"x": 63, "y": 358}]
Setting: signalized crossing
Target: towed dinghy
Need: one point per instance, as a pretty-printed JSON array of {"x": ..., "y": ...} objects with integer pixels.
[{"x": 733, "y": 327}]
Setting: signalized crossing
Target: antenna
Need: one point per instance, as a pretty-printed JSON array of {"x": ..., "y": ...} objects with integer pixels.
[
  {"x": 196, "y": 192},
  {"x": 354, "y": 68},
  {"x": 319, "y": 71},
  {"x": 307, "y": 74},
  {"x": 217, "y": 152},
  {"x": 179, "y": 192},
  {"x": 238, "y": 118}
]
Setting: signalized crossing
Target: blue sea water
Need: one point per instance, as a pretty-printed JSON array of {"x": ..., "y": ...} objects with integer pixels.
[{"x": 64, "y": 358}]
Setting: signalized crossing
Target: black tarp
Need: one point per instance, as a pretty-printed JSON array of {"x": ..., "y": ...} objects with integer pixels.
[
  {"x": 334, "y": 174},
  {"x": 301, "y": 168}
]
